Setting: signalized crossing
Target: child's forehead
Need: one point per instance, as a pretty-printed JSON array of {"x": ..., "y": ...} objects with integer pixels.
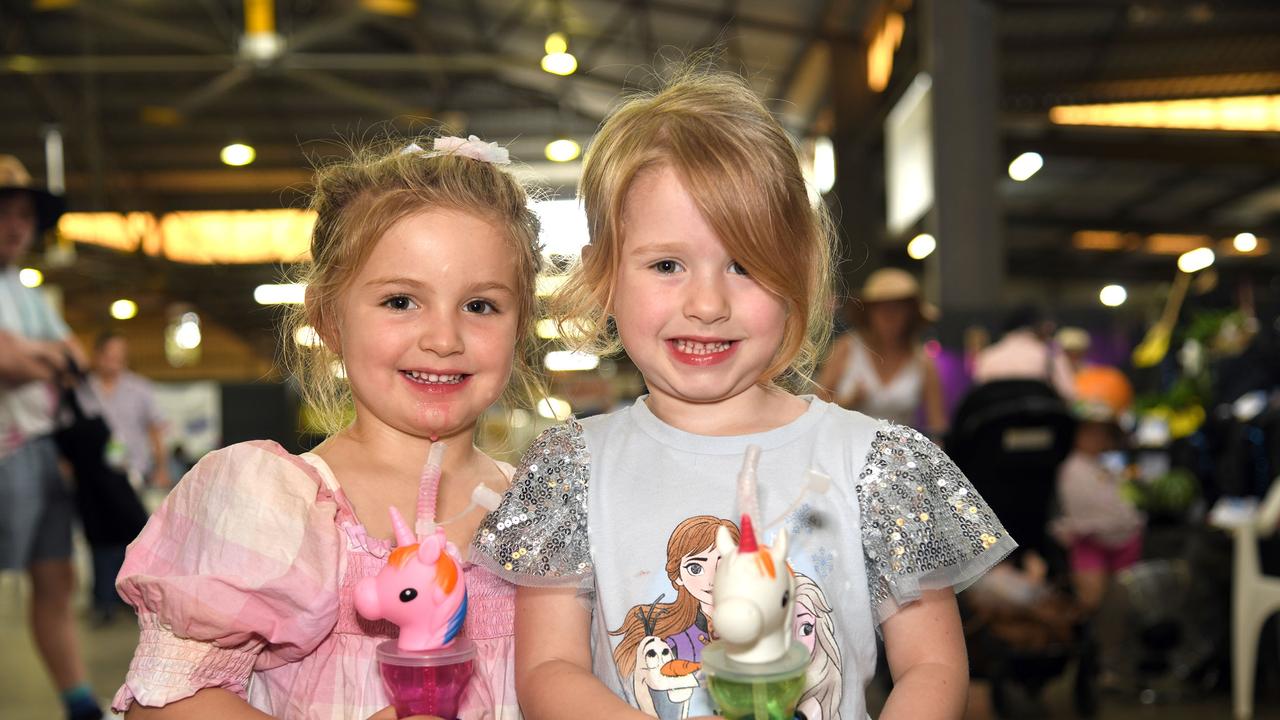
[{"x": 439, "y": 253}]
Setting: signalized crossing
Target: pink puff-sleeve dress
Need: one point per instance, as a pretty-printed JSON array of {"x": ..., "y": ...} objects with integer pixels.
[{"x": 245, "y": 580}]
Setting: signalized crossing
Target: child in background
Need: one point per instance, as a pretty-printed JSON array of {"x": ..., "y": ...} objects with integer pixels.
[
  {"x": 1101, "y": 529},
  {"x": 421, "y": 287},
  {"x": 714, "y": 268}
]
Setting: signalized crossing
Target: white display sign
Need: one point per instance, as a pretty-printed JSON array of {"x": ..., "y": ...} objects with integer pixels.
[{"x": 908, "y": 132}]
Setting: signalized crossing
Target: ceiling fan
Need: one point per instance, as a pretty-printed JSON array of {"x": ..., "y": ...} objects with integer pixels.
[{"x": 261, "y": 49}]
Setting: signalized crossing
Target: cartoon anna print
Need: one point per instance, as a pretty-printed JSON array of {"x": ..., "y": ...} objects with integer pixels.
[
  {"x": 662, "y": 642},
  {"x": 685, "y": 623},
  {"x": 661, "y": 647}
]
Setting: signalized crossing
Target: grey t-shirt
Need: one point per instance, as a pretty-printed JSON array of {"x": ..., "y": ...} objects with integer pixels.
[
  {"x": 626, "y": 507},
  {"x": 26, "y": 411}
]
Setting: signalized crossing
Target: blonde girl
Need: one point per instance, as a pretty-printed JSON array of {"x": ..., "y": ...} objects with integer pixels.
[{"x": 420, "y": 286}]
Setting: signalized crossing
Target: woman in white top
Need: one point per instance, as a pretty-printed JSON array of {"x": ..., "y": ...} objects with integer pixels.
[{"x": 879, "y": 368}]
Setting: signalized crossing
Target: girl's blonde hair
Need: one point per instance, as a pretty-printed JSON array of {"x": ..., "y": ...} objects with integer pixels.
[
  {"x": 743, "y": 173},
  {"x": 356, "y": 202}
]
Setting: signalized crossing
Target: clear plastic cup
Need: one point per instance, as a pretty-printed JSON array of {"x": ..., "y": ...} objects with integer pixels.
[
  {"x": 755, "y": 691},
  {"x": 426, "y": 682}
]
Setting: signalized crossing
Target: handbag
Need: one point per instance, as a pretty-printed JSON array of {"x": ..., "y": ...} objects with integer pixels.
[{"x": 110, "y": 511}]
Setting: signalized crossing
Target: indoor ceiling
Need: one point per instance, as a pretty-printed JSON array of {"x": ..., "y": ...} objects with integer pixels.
[{"x": 146, "y": 92}]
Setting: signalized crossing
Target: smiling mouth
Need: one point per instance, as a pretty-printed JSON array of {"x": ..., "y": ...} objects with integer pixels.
[
  {"x": 693, "y": 347},
  {"x": 423, "y": 378}
]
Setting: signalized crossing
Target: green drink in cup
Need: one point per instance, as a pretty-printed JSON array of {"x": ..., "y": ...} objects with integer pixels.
[
  {"x": 754, "y": 669},
  {"x": 755, "y": 691}
]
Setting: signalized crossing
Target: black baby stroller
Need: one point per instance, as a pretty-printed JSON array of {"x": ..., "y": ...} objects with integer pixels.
[{"x": 1009, "y": 437}]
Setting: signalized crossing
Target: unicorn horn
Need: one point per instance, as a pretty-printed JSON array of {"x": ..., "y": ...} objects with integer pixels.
[
  {"x": 747, "y": 538},
  {"x": 404, "y": 536}
]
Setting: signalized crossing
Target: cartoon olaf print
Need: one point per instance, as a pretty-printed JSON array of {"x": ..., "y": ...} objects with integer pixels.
[{"x": 662, "y": 684}]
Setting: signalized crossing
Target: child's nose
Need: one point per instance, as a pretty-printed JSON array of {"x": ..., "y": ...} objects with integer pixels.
[
  {"x": 441, "y": 336},
  {"x": 706, "y": 300}
]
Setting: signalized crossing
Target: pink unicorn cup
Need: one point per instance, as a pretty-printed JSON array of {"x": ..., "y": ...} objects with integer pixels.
[
  {"x": 422, "y": 590},
  {"x": 427, "y": 682}
]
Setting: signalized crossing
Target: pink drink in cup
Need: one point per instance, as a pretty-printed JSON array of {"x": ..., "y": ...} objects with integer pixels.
[
  {"x": 426, "y": 682},
  {"x": 423, "y": 590}
]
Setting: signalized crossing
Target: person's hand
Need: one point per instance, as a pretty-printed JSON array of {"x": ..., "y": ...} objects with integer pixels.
[
  {"x": 50, "y": 354},
  {"x": 389, "y": 713},
  {"x": 72, "y": 347}
]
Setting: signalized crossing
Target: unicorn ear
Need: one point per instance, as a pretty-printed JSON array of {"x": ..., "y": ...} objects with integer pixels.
[
  {"x": 780, "y": 546},
  {"x": 429, "y": 550},
  {"x": 724, "y": 542}
]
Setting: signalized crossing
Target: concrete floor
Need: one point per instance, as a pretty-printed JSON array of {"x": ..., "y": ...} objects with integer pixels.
[{"x": 25, "y": 693}]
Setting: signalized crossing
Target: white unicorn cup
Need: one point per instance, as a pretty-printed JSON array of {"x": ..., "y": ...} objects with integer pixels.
[{"x": 755, "y": 669}]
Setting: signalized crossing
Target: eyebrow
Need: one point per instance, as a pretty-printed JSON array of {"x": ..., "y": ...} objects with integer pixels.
[
  {"x": 656, "y": 248},
  {"x": 394, "y": 281},
  {"x": 697, "y": 559},
  {"x": 492, "y": 285},
  {"x": 478, "y": 287}
]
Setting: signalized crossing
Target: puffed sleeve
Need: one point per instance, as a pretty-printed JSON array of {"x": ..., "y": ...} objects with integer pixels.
[
  {"x": 538, "y": 536},
  {"x": 237, "y": 571},
  {"x": 924, "y": 527}
]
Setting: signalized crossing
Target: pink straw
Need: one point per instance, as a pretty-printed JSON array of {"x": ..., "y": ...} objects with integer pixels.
[{"x": 428, "y": 487}]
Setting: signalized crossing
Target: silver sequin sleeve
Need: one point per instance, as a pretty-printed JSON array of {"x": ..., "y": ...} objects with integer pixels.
[
  {"x": 538, "y": 535},
  {"x": 924, "y": 527}
]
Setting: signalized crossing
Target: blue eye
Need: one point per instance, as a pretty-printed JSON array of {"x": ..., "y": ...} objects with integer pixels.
[
  {"x": 737, "y": 269},
  {"x": 694, "y": 569}
]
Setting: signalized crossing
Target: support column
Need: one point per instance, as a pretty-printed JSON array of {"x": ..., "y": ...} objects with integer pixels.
[
  {"x": 857, "y": 200},
  {"x": 967, "y": 271}
]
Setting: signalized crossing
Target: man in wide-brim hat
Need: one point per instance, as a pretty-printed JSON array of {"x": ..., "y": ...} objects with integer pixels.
[{"x": 36, "y": 507}]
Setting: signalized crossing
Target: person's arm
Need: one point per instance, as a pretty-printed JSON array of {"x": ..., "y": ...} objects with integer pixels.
[
  {"x": 553, "y": 659},
  {"x": 23, "y": 360},
  {"x": 924, "y": 644},
  {"x": 935, "y": 409},
  {"x": 219, "y": 704},
  {"x": 829, "y": 373},
  {"x": 212, "y": 703},
  {"x": 160, "y": 471},
  {"x": 155, "y": 435},
  {"x": 1060, "y": 374}
]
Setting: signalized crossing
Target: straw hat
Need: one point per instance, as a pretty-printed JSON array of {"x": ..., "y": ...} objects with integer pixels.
[
  {"x": 49, "y": 207},
  {"x": 890, "y": 284}
]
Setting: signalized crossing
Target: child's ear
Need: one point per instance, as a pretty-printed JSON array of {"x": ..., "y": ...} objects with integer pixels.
[{"x": 321, "y": 321}]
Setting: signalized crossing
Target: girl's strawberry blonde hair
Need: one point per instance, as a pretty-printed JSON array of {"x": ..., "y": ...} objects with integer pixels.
[
  {"x": 743, "y": 172},
  {"x": 356, "y": 201}
]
